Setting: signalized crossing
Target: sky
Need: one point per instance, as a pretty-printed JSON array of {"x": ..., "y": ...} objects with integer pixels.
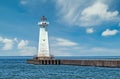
[{"x": 77, "y": 27}]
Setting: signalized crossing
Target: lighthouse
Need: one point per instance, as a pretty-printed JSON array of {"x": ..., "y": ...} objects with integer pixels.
[{"x": 43, "y": 45}]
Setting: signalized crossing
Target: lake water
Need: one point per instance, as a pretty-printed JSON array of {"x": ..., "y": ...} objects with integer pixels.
[{"x": 17, "y": 68}]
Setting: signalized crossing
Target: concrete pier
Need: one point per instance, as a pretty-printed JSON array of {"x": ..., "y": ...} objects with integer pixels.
[
  {"x": 100, "y": 63},
  {"x": 44, "y": 62}
]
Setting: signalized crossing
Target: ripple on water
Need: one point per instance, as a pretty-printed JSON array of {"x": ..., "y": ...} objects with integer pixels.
[{"x": 18, "y": 69}]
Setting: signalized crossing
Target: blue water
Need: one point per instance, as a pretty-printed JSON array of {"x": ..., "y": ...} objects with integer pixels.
[{"x": 16, "y": 68}]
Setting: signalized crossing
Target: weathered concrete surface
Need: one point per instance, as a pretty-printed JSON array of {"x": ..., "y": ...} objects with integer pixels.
[
  {"x": 44, "y": 62},
  {"x": 100, "y": 63}
]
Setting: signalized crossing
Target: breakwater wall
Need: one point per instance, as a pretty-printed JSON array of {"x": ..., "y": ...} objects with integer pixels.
[{"x": 100, "y": 63}]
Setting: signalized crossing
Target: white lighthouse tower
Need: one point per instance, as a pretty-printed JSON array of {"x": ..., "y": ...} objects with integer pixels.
[{"x": 43, "y": 46}]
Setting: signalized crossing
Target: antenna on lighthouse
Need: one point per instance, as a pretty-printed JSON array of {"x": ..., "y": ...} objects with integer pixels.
[
  {"x": 43, "y": 18},
  {"x": 43, "y": 21}
]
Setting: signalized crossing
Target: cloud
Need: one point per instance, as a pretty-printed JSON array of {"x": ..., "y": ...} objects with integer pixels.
[
  {"x": 1, "y": 39},
  {"x": 63, "y": 47},
  {"x": 89, "y": 30},
  {"x": 32, "y": 3},
  {"x": 84, "y": 14},
  {"x": 22, "y": 44},
  {"x": 16, "y": 40},
  {"x": 23, "y": 2},
  {"x": 97, "y": 13},
  {"x": 108, "y": 32},
  {"x": 63, "y": 42},
  {"x": 108, "y": 51},
  {"x": 26, "y": 49},
  {"x": 100, "y": 10},
  {"x": 69, "y": 10},
  {"x": 18, "y": 47},
  {"x": 79, "y": 50},
  {"x": 8, "y": 43},
  {"x": 99, "y": 51}
]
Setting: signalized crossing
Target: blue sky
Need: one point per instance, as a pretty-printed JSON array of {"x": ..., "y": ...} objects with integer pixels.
[{"x": 77, "y": 27}]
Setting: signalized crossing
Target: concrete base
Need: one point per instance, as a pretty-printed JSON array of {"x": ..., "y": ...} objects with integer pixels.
[
  {"x": 44, "y": 62},
  {"x": 100, "y": 63}
]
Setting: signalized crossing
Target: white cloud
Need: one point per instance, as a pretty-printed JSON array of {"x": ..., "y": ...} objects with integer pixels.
[
  {"x": 84, "y": 14},
  {"x": 63, "y": 47},
  {"x": 63, "y": 42},
  {"x": 23, "y": 2},
  {"x": 18, "y": 47},
  {"x": 89, "y": 30},
  {"x": 97, "y": 13},
  {"x": 99, "y": 51},
  {"x": 32, "y": 3},
  {"x": 99, "y": 9},
  {"x": 69, "y": 10},
  {"x": 16, "y": 40},
  {"x": 108, "y": 32},
  {"x": 8, "y": 43},
  {"x": 26, "y": 49},
  {"x": 1, "y": 39},
  {"x": 79, "y": 50},
  {"x": 22, "y": 44}
]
